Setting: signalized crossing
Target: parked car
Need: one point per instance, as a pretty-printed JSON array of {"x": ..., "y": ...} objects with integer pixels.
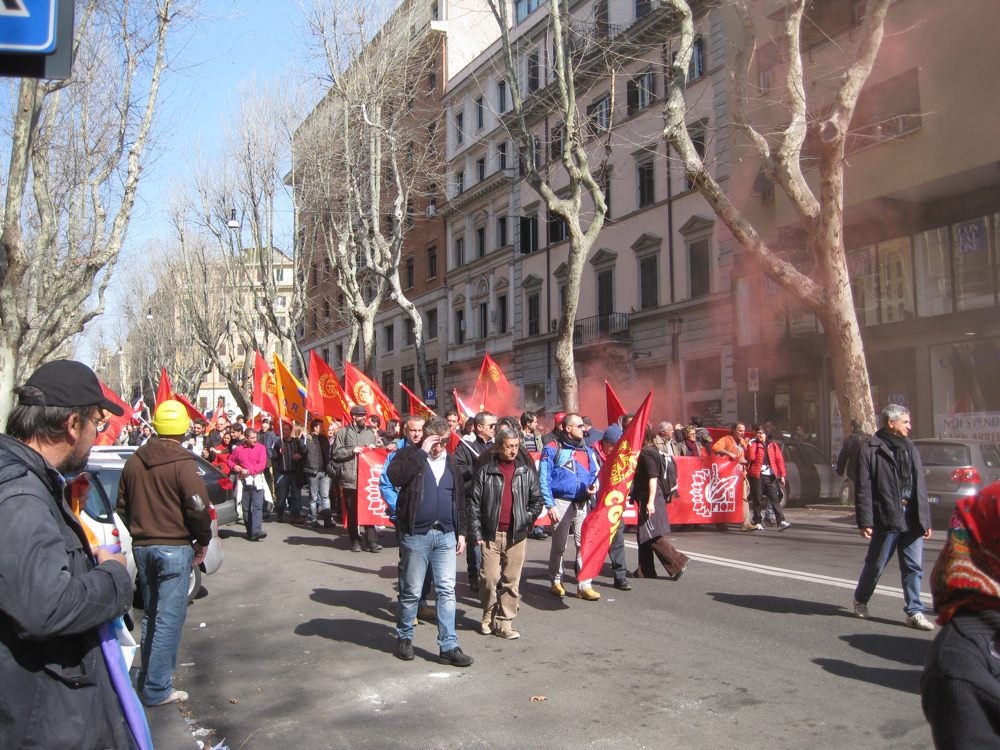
[
  {"x": 811, "y": 478},
  {"x": 954, "y": 469},
  {"x": 220, "y": 487},
  {"x": 99, "y": 516}
]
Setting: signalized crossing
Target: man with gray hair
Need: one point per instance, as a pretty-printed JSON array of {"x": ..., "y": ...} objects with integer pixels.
[
  {"x": 892, "y": 512},
  {"x": 664, "y": 439}
]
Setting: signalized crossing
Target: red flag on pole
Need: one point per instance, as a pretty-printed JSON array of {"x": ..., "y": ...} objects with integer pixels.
[
  {"x": 325, "y": 396},
  {"x": 363, "y": 391},
  {"x": 492, "y": 388},
  {"x": 464, "y": 410},
  {"x": 220, "y": 412},
  {"x": 615, "y": 408},
  {"x": 265, "y": 390},
  {"x": 188, "y": 406},
  {"x": 614, "y": 482},
  {"x": 164, "y": 392},
  {"x": 453, "y": 440},
  {"x": 115, "y": 424},
  {"x": 417, "y": 406}
]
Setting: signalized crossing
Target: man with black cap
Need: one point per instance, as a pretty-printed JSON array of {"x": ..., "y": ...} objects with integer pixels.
[
  {"x": 351, "y": 440},
  {"x": 55, "y": 592}
]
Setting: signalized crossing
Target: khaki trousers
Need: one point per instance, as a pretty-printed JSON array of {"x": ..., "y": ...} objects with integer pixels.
[{"x": 502, "y": 562}]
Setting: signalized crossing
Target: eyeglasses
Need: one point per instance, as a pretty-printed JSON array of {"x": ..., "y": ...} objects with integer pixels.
[
  {"x": 491, "y": 426},
  {"x": 100, "y": 423}
]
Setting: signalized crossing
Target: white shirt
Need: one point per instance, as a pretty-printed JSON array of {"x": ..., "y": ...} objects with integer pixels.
[{"x": 438, "y": 465}]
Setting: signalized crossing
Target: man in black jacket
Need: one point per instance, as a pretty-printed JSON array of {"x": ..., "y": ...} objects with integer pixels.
[
  {"x": 467, "y": 454},
  {"x": 891, "y": 510},
  {"x": 847, "y": 460},
  {"x": 430, "y": 517},
  {"x": 505, "y": 501},
  {"x": 317, "y": 457},
  {"x": 56, "y": 690}
]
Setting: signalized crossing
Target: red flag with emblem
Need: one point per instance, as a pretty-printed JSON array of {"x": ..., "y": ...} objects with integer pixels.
[
  {"x": 325, "y": 396},
  {"x": 265, "y": 390},
  {"x": 417, "y": 406},
  {"x": 164, "y": 392},
  {"x": 492, "y": 389},
  {"x": 191, "y": 409},
  {"x": 115, "y": 424},
  {"x": 614, "y": 482},
  {"x": 615, "y": 408},
  {"x": 362, "y": 391},
  {"x": 710, "y": 490}
]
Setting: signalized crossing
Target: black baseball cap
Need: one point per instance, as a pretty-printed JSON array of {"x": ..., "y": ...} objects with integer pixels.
[{"x": 68, "y": 383}]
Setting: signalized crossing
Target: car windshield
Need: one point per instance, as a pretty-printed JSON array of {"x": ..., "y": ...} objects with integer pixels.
[
  {"x": 109, "y": 477},
  {"x": 944, "y": 454},
  {"x": 991, "y": 455}
]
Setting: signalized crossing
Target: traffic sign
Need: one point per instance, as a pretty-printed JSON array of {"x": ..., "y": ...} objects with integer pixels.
[
  {"x": 28, "y": 26},
  {"x": 430, "y": 395},
  {"x": 753, "y": 379}
]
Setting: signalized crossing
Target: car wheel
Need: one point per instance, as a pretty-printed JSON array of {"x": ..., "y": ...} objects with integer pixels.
[
  {"x": 786, "y": 493},
  {"x": 194, "y": 586}
]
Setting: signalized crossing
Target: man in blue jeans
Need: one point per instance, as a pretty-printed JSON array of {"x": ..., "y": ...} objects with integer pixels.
[
  {"x": 892, "y": 511},
  {"x": 163, "y": 502},
  {"x": 430, "y": 516}
]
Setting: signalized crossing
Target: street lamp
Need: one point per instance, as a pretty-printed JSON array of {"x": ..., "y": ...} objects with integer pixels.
[
  {"x": 676, "y": 323},
  {"x": 232, "y": 223},
  {"x": 149, "y": 314}
]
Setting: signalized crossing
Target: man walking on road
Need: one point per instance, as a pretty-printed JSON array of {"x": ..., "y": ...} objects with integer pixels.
[
  {"x": 847, "y": 460},
  {"x": 55, "y": 593},
  {"x": 430, "y": 513},
  {"x": 892, "y": 512},
  {"x": 351, "y": 440},
  {"x": 766, "y": 467},
  {"x": 469, "y": 449},
  {"x": 506, "y": 499},
  {"x": 163, "y": 502},
  {"x": 248, "y": 462}
]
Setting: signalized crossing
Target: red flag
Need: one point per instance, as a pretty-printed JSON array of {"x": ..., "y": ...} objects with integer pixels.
[
  {"x": 453, "y": 440},
  {"x": 464, "y": 410},
  {"x": 417, "y": 406},
  {"x": 614, "y": 482},
  {"x": 362, "y": 391},
  {"x": 325, "y": 396},
  {"x": 115, "y": 424},
  {"x": 220, "y": 412},
  {"x": 615, "y": 408},
  {"x": 710, "y": 490},
  {"x": 164, "y": 392},
  {"x": 492, "y": 388},
  {"x": 265, "y": 391},
  {"x": 188, "y": 406},
  {"x": 371, "y": 506}
]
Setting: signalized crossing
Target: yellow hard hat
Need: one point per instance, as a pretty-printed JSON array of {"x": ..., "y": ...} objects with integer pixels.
[{"x": 171, "y": 418}]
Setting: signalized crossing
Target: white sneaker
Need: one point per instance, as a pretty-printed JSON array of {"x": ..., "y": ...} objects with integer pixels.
[
  {"x": 783, "y": 525},
  {"x": 176, "y": 696},
  {"x": 919, "y": 622},
  {"x": 860, "y": 610}
]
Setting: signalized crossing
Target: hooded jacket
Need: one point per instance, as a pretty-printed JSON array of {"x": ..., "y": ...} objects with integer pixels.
[
  {"x": 56, "y": 691},
  {"x": 487, "y": 496},
  {"x": 161, "y": 497}
]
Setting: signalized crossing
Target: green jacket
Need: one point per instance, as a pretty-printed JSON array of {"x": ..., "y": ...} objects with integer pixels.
[{"x": 342, "y": 451}]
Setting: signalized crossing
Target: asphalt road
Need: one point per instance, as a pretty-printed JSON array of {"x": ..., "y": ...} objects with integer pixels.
[{"x": 756, "y": 647}]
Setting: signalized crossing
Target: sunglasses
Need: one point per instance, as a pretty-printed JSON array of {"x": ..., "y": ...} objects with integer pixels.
[{"x": 100, "y": 423}]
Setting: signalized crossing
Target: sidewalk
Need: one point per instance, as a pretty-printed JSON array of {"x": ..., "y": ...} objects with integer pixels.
[{"x": 168, "y": 729}]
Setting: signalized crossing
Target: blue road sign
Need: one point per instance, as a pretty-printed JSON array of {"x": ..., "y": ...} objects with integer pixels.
[
  {"x": 430, "y": 394},
  {"x": 28, "y": 26}
]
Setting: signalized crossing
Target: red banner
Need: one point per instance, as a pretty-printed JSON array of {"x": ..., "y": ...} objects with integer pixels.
[
  {"x": 115, "y": 424},
  {"x": 371, "y": 508},
  {"x": 417, "y": 406},
  {"x": 492, "y": 389},
  {"x": 710, "y": 491},
  {"x": 324, "y": 395},
  {"x": 615, "y": 408},
  {"x": 363, "y": 391}
]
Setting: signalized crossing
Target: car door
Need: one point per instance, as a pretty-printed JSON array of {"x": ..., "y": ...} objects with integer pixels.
[
  {"x": 991, "y": 462},
  {"x": 807, "y": 489},
  {"x": 828, "y": 483}
]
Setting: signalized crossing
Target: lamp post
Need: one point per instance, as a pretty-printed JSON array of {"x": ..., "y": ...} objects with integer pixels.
[{"x": 676, "y": 323}]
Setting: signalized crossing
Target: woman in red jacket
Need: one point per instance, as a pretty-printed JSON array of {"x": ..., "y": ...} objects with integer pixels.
[{"x": 767, "y": 473}]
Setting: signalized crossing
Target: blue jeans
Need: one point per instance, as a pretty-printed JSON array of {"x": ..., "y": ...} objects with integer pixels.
[
  {"x": 319, "y": 495},
  {"x": 436, "y": 549},
  {"x": 288, "y": 494},
  {"x": 164, "y": 575},
  {"x": 909, "y": 547}
]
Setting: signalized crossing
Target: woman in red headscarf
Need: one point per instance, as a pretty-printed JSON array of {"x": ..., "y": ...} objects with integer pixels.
[{"x": 960, "y": 687}]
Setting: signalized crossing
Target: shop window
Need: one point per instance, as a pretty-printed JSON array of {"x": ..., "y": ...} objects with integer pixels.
[
  {"x": 966, "y": 391},
  {"x": 895, "y": 280},
  {"x": 861, "y": 269},
  {"x": 974, "y": 264},
  {"x": 932, "y": 266}
]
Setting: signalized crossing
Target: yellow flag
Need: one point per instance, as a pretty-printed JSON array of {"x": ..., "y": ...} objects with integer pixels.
[{"x": 291, "y": 394}]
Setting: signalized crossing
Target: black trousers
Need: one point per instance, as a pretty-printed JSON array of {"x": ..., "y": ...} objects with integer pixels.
[
  {"x": 764, "y": 490},
  {"x": 617, "y": 553},
  {"x": 351, "y": 501}
]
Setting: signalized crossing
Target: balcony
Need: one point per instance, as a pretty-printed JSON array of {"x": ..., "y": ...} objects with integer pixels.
[{"x": 608, "y": 327}]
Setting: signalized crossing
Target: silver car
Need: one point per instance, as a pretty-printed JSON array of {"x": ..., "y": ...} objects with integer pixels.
[
  {"x": 954, "y": 469},
  {"x": 810, "y": 477}
]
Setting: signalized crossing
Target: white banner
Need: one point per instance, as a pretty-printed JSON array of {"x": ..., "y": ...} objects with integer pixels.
[{"x": 981, "y": 425}]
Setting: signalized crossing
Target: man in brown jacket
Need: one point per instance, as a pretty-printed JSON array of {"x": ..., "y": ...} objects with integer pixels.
[{"x": 164, "y": 504}]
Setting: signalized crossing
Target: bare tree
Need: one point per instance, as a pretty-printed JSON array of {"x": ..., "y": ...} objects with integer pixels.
[
  {"x": 76, "y": 158},
  {"x": 363, "y": 157},
  {"x": 565, "y": 201},
  {"x": 826, "y": 290}
]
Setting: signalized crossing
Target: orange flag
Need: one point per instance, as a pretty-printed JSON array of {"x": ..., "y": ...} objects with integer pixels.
[
  {"x": 290, "y": 391},
  {"x": 164, "y": 392},
  {"x": 362, "y": 391},
  {"x": 492, "y": 389},
  {"x": 115, "y": 424},
  {"x": 324, "y": 396},
  {"x": 417, "y": 406},
  {"x": 265, "y": 391},
  {"x": 614, "y": 482},
  {"x": 615, "y": 408}
]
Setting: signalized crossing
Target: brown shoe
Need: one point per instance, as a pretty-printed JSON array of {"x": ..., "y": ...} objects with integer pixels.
[
  {"x": 295, "y": 519},
  {"x": 281, "y": 518}
]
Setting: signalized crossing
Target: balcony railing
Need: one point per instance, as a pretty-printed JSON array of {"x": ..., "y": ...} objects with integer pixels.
[{"x": 610, "y": 326}]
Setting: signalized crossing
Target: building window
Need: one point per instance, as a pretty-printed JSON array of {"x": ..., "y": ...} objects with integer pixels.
[
  {"x": 481, "y": 169},
  {"x": 480, "y": 113},
  {"x": 886, "y": 110},
  {"x": 326, "y": 312},
  {"x": 390, "y": 337},
  {"x": 432, "y": 263},
  {"x": 326, "y": 355},
  {"x": 459, "y": 182},
  {"x": 388, "y": 383},
  {"x": 432, "y": 138},
  {"x": 529, "y": 234},
  {"x": 483, "y": 319},
  {"x": 501, "y": 96},
  {"x": 698, "y": 141},
  {"x": 647, "y": 184},
  {"x": 432, "y": 374},
  {"x": 558, "y": 231},
  {"x": 406, "y": 377},
  {"x": 459, "y": 252},
  {"x": 223, "y": 350},
  {"x": 501, "y": 313},
  {"x": 696, "y": 68},
  {"x": 459, "y": 326},
  {"x": 501, "y": 231},
  {"x": 599, "y": 115},
  {"x": 641, "y": 92},
  {"x": 642, "y": 8},
  {"x": 408, "y": 273},
  {"x": 313, "y": 276},
  {"x": 558, "y": 141},
  {"x": 434, "y": 11},
  {"x": 480, "y": 242},
  {"x": 534, "y": 72},
  {"x": 432, "y": 79},
  {"x": 240, "y": 350},
  {"x": 606, "y": 189},
  {"x": 409, "y": 337},
  {"x": 649, "y": 283},
  {"x": 313, "y": 315},
  {"x": 430, "y": 324},
  {"x": 703, "y": 374},
  {"x": 699, "y": 268},
  {"x": 525, "y": 8},
  {"x": 605, "y": 291},
  {"x": 460, "y": 128},
  {"x": 534, "y": 314},
  {"x": 409, "y": 213},
  {"x": 339, "y": 350},
  {"x": 502, "y": 155}
]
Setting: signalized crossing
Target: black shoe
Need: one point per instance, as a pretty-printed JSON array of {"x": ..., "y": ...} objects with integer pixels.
[
  {"x": 456, "y": 658},
  {"x": 404, "y": 650},
  {"x": 356, "y": 547},
  {"x": 375, "y": 547},
  {"x": 623, "y": 585},
  {"x": 314, "y": 524},
  {"x": 251, "y": 537},
  {"x": 261, "y": 535}
]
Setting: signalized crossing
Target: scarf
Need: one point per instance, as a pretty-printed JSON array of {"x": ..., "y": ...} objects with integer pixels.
[
  {"x": 692, "y": 446},
  {"x": 902, "y": 449},
  {"x": 967, "y": 572}
]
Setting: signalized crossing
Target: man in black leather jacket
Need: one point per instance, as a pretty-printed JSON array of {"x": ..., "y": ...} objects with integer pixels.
[{"x": 506, "y": 499}]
